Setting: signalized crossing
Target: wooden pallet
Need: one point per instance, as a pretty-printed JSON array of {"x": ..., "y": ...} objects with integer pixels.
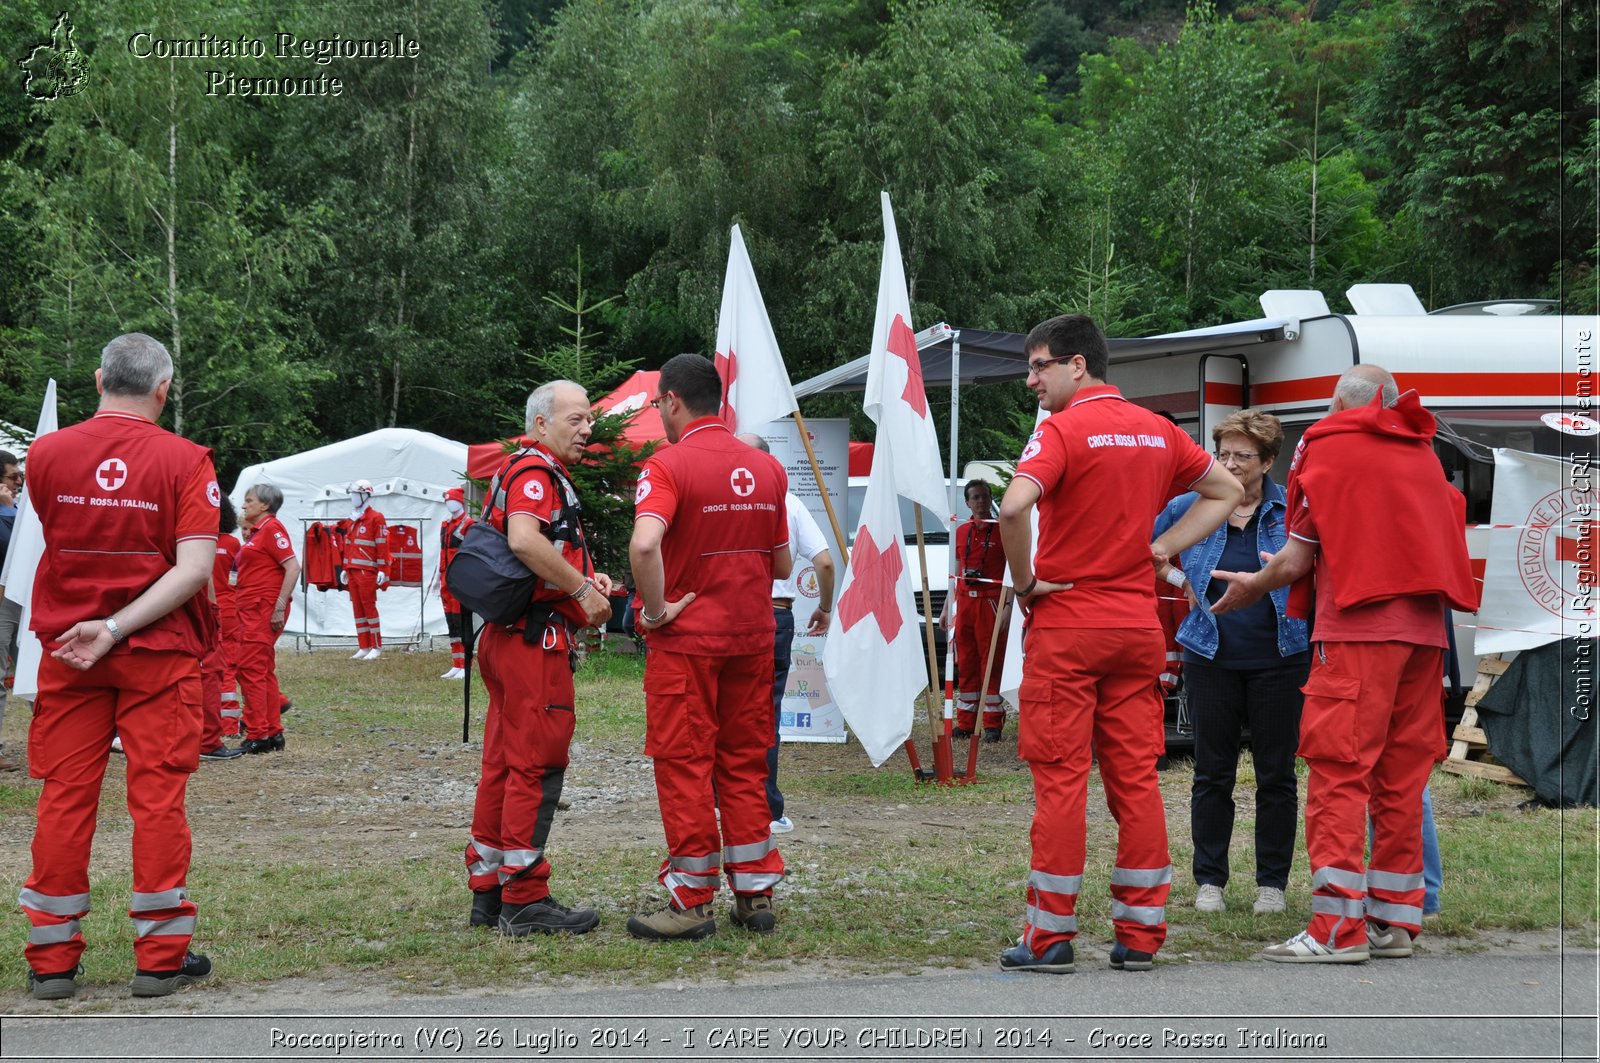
[{"x": 1469, "y": 748}]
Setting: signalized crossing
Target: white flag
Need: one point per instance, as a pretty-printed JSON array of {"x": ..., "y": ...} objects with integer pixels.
[
  {"x": 895, "y": 399},
  {"x": 755, "y": 384},
  {"x": 874, "y": 657},
  {"x": 22, "y": 561},
  {"x": 1011, "y": 672},
  {"x": 1539, "y": 583}
]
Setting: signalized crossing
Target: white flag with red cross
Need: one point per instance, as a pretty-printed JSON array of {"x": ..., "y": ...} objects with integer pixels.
[
  {"x": 755, "y": 384},
  {"x": 22, "y": 562},
  {"x": 874, "y": 657},
  {"x": 895, "y": 399},
  {"x": 1540, "y": 580}
]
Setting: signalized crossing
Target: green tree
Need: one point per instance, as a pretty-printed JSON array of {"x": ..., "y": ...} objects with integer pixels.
[{"x": 1476, "y": 109}]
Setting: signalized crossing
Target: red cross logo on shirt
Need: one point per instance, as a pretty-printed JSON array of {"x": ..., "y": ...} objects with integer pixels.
[
  {"x": 872, "y": 591},
  {"x": 1570, "y": 549},
  {"x": 111, "y": 473},
  {"x": 903, "y": 344},
  {"x": 728, "y": 369},
  {"x": 743, "y": 481}
]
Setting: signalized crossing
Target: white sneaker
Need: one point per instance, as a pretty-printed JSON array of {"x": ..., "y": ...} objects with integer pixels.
[
  {"x": 1269, "y": 899},
  {"x": 451, "y": 674},
  {"x": 359, "y": 655},
  {"x": 116, "y": 743},
  {"x": 1303, "y": 948},
  {"x": 374, "y": 653},
  {"x": 782, "y": 825},
  {"x": 1209, "y": 899},
  {"x": 1390, "y": 943}
]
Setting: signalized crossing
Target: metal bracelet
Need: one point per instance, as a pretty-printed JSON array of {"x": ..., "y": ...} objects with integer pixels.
[
  {"x": 644, "y": 614},
  {"x": 116, "y": 632}
]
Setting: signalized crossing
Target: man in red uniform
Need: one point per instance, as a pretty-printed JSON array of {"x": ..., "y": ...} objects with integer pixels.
[
  {"x": 981, "y": 564},
  {"x": 527, "y": 670},
  {"x": 451, "y": 532},
  {"x": 710, "y": 534},
  {"x": 130, "y": 525},
  {"x": 1372, "y": 726},
  {"x": 263, "y": 593},
  {"x": 1100, "y": 469},
  {"x": 366, "y": 567},
  {"x": 222, "y": 580}
]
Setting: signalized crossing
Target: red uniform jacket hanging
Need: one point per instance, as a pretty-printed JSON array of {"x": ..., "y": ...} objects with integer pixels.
[
  {"x": 450, "y": 535},
  {"x": 405, "y": 556},
  {"x": 323, "y": 551}
]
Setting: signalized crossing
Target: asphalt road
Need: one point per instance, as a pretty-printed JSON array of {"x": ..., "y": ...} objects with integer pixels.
[{"x": 1519, "y": 1003}]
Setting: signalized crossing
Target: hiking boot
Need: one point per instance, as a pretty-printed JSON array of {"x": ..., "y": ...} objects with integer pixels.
[
  {"x": 545, "y": 916},
  {"x": 1057, "y": 959},
  {"x": 1303, "y": 948},
  {"x": 961, "y": 732},
  {"x": 1125, "y": 959},
  {"x": 6, "y": 763},
  {"x": 222, "y": 752},
  {"x": 278, "y": 742},
  {"x": 1209, "y": 899},
  {"x": 754, "y": 913},
  {"x": 1387, "y": 942},
  {"x": 1269, "y": 899},
  {"x": 63, "y": 985},
  {"x": 486, "y": 909},
  {"x": 161, "y": 983},
  {"x": 669, "y": 923},
  {"x": 991, "y": 734}
]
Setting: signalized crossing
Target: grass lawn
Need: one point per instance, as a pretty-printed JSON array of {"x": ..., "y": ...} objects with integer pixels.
[{"x": 344, "y": 854}]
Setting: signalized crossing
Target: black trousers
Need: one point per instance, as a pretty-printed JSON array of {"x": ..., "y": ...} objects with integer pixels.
[
  {"x": 781, "y": 650},
  {"x": 1222, "y": 703}
]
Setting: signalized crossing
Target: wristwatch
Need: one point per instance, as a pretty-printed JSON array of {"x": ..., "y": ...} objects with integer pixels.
[{"x": 116, "y": 632}]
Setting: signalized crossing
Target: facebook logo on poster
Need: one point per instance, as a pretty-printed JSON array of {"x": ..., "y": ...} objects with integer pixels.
[{"x": 795, "y": 719}]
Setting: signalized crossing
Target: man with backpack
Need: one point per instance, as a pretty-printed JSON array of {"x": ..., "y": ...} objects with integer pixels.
[{"x": 527, "y": 669}]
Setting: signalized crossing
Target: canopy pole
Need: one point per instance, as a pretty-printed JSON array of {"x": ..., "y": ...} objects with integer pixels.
[
  {"x": 827, "y": 500},
  {"x": 943, "y": 761}
]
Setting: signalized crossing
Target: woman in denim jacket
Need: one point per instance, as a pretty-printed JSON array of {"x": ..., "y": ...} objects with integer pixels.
[{"x": 1241, "y": 670}]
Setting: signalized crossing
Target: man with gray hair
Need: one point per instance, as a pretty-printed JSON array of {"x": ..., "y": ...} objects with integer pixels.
[
  {"x": 527, "y": 670},
  {"x": 1365, "y": 486},
  {"x": 130, "y": 526}
]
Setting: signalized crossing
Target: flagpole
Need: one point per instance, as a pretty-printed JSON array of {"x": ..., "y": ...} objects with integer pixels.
[
  {"x": 943, "y": 766},
  {"x": 827, "y": 500},
  {"x": 983, "y": 691}
]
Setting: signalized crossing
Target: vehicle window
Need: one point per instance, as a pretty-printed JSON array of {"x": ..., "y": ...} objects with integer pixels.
[{"x": 934, "y": 527}]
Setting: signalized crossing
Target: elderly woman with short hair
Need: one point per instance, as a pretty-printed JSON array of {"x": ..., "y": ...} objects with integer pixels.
[
  {"x": 1241, "y": 670},
  {"x": 267, "y": 572}
]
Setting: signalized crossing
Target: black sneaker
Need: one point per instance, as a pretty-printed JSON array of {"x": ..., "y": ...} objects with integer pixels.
[
  {"x": 1057, "y": 959},
  {"x": 278, "y": 742},
  {"x": 961, "y": 732},
  {"x": 256, "y": 745},
  {"x": 161, "y": 983},
  {"x": 63, "y": 985},
  {"x": 222, "y": 752},
  {"x": 1125, "y": 959},
  {"x": 991, "y": 734},
  {"x": 547, "y": 916},
  {"x": 486, "y": 908}
]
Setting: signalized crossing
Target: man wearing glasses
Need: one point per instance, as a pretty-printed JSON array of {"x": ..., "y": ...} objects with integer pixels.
[
  {"x": 10, "y": 612},
  {"x": 1099, "y": 469}
]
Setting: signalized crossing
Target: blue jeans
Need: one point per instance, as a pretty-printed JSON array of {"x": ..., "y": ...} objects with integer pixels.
[{"x": 781, "y": 649}]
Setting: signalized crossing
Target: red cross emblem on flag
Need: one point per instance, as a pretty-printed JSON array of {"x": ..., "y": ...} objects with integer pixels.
[
  {"x": 111, "y": 473},
  {"x": 728, "y": 369},
  {"x": 743, "y": 481},
  {"x": 903, "y": 344},
  {"x": 872, "y": 591}
]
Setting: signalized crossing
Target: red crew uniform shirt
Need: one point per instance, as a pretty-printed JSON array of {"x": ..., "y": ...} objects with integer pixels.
[
  {"x": 722, "y": 503},
  {"x": 260, "y": 567},
  {"x": 1087, "y": 543},
  {"x": 534, "y": 493},
  {"x": 112, "y": 526},
  {"x": 978, "y": 547}
]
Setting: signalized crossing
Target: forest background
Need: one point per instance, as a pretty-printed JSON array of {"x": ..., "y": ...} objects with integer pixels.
[{"x": 548, "y": 186}]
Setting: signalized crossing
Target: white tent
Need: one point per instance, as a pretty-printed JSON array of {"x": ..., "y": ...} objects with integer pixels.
[{"x": 410, "y": 472}]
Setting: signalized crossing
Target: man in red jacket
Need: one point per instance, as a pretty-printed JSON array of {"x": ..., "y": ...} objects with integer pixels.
[
  {"x": 710, "y": 534},
  {"x": 1366, "y": 486},
  {"x": 130, "y": 527},
  {"x": 451, "y": 533},
  {"x": 366, "y": 567}
]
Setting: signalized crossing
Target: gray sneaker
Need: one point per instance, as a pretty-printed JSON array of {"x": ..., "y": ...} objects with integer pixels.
[
  {"x": 161, "y": 983},
  {"x": 62, "y": 985},
  {"x": 1269, "y": 899},
  {"x": 1209, "y": 899},
  {"x": 1387, "y": 942}
]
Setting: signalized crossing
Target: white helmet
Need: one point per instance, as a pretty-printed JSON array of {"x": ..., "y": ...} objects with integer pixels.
[{"x": 362, "y": 487}]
